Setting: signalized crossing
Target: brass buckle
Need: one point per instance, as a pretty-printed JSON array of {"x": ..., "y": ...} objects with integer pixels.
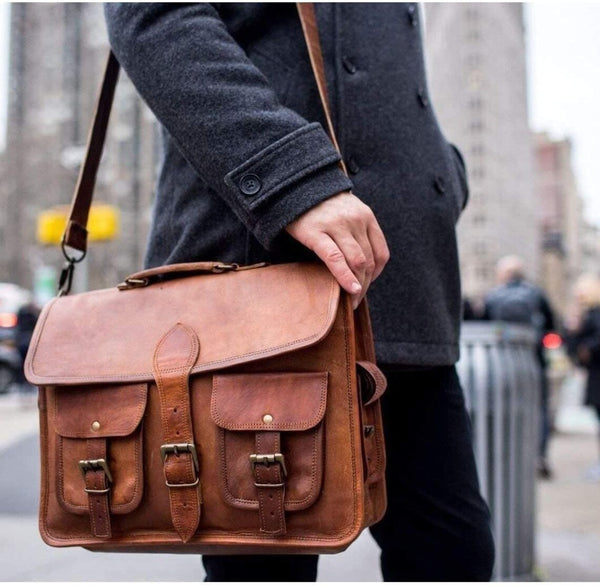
[
  {"x": 177, "y": 449},
  {"x": 267, "y": 460},
  {"x": 224, "y": 267},
  {"x": 89, "y": 466},
  {"x": 133, "y": 284}
]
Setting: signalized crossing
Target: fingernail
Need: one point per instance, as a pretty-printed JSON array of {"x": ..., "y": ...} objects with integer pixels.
[{"x": 356, "y": 287}]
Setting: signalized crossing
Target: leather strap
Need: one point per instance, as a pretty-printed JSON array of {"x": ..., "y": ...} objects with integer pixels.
[
  {"x": 269, "y": 479},
  {"x": 372, "y": 381},
  {"x": 75, "y": 234},
  {"x": 308, "y": 20},
  {"x": 97, "y": 486},
  {"x": 174, "y": 358},
  {"x": 149, "y": 276}
]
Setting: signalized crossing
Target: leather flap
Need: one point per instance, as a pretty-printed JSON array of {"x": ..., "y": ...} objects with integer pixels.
[
  {"x": 371, "y": 380},
  {"x": 269, "y": 402},
  {"x": 110, "y": 335},
  {"x": 94, "y": 411}
]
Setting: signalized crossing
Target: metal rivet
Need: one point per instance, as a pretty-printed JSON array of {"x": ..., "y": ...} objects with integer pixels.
[
  {"x": 267, "y": 418},
  {"x": 96, "y": 425}
]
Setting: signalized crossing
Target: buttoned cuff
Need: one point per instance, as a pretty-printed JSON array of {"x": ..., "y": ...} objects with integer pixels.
[{"x": 290, "y": 176}]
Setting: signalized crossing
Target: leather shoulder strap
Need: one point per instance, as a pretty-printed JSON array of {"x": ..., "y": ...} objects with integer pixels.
[
  {"x": 75, "y": 235},
  {"x": 308, "y": 19}
]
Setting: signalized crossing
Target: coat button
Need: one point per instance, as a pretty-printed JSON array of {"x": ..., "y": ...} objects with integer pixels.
[
  {"x": 349, "y": 66},
  {"x": 353, "y": 166},
  {"x": 250, "y": 184},
  {"x": 423, "y": 99},
  {"x": 439, "y": 185},
  {"x": 412, "y": 14}
]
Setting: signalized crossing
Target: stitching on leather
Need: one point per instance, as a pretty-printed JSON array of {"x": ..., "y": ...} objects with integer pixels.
[
  {"x": 183, "y": 493},
  {"x": 230, "y": 361},
  {"x": 142, "y": 395},
  {"x": 280, "y": 498},
  {"x": 308, "y": 500},
  {"x": 121, "y": 508},
  {"x": 206, "y": 536},
  {"x": 350, "y": 369},
  {"x": 292, "y": 426},
  {"x": 261, "y": 510}
]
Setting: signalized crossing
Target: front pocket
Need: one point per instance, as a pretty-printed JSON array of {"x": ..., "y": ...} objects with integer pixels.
[
  {"x": 272, "y": 409},
  {"x": 109, "y": 416}
]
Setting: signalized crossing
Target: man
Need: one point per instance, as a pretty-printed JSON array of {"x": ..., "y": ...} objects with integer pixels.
[
  {"x": 249, "y": 175},
  {"x": 515, "y": 300}
]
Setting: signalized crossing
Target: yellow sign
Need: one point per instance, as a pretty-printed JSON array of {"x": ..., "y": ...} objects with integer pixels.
[{"x": 103, "y": 223}]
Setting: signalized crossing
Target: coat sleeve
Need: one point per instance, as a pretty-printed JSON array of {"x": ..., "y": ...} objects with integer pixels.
[{"x": 266, "y": 161}]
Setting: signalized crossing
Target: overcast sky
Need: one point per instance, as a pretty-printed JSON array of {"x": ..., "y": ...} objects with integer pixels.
[
  {"x": 4, "y": 9},
  {"x": 564, "y": 84},
  {"x": 563, "y": 42}
]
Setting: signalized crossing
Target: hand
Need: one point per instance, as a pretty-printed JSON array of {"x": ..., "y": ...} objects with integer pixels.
[{"x": 343, "y": 232}]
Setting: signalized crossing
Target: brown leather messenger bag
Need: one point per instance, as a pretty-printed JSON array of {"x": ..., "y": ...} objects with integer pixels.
[{"x": 206, "y": 407}]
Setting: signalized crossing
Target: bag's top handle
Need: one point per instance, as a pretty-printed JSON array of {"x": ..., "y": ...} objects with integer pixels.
[{"x": 75, "y": 234}]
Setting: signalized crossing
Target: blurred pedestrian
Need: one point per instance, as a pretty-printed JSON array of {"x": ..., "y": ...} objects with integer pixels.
[
  {"x": 583, "y": 344},
  {"x": 27, "y": 317},
  {"x": 250, "y": 175},
  {"x": 516, "y": 300},
  {"x": 472, "y": 309}
]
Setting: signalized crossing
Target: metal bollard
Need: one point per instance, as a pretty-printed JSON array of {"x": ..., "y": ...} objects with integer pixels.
[{"x": 500, "y": 376}]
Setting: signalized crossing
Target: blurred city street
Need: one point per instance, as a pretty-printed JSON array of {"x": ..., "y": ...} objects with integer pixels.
[
  {"x": 568, "y": 519},
  {"x": 507, "y": 92}
]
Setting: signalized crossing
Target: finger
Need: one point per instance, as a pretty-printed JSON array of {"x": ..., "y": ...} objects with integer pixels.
[
  {"x": 381, "y": 252},
  {"x": 329, "y": 252},
  {"x": 362, "y": 238},
  {"x": 356, "y": 300},
  {"x": 354, "y": 254},
  {"x": 360, "y": 260}
]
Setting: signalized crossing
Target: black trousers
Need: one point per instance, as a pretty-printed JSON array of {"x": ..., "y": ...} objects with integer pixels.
[{"x": 437, "y": 526}]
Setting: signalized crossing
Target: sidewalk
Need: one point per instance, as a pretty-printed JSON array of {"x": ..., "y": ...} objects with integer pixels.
[
  {"x": 18, "y": 417},
  {"x": 568, "y": 544},
  {"x": 568, "y": 521}
]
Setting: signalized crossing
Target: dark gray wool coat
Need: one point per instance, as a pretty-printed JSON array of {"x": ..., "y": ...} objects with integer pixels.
[{"x": 245, "y": 152}]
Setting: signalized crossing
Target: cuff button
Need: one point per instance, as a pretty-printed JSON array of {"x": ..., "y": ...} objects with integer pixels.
[{"x": 250, "y": 184}]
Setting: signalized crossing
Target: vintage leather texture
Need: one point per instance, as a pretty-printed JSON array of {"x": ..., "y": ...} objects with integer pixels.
[
  {"x": 203, "y": 407},
  {"x": 263, "y": 360}
]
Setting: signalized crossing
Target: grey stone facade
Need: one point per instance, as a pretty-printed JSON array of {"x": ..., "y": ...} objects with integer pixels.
[
  {"x": 476, "y": 62},
  {"x": 57, "y": 53}
]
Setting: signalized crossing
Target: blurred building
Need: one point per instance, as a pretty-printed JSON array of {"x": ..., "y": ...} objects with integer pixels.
[
  {"x": 590, "y": 253},
  {"x": 57, "y": 54},
  {"x": 3, "y": 191},
  {"x": 476, "y": 65},
  {"x": 561, "y": 219}
]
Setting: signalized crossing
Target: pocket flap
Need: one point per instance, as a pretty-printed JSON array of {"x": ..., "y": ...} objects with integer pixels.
[
  {"x": 275, "y": 402},
  {"x": 100, "y": 411}
]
